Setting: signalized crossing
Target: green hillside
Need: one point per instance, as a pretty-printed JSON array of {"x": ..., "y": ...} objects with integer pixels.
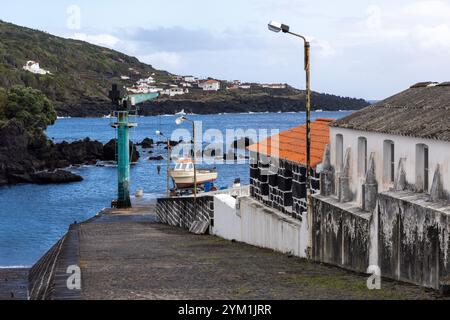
[{"x": 82, "y": 74}]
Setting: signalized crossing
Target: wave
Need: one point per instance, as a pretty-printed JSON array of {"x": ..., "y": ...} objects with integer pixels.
[{"x": 14, "y": 267}]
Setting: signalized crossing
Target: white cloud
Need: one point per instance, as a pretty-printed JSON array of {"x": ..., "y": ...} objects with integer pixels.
[
  {"x": 431, "y": 8},
  {"x": 163, "y": 59},
  {"x": 373, "y": 21},
  {"x": 325, "y": 48},
  {"x": 433, "y": 37},
  {"x": 98, "y": 39}
]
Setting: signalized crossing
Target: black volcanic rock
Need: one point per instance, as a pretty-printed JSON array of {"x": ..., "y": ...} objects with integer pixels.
[
  {"x": 147, "y": 143},
  {"x": 56, "y": 177},
  {"x": 156, "y": 158},
  {"x": 109, "y": 151},
  {"x": 31, "y": 158},
  {"x": 80, "y": 152}
]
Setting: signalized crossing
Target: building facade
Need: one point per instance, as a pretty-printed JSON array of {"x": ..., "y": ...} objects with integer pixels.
[
  {"x": 406, "y": 132},
  {"x": 384, "y": 198},
  {"x": 278, "y": 168},
  {"x": 210, "y": 85}
]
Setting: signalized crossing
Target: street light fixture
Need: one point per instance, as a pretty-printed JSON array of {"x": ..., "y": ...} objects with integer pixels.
[
  {"x": 277, "y": 27},
  {"x": 159, "y": 133},
  {"x": 179, "y": 121}
]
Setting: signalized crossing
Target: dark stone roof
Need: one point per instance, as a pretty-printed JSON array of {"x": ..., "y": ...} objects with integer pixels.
[{"x": 422, "y": 111}]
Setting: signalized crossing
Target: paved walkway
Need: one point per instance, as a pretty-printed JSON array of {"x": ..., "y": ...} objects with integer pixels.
[
  {"x": 13, "y": 284},
  {"x": 133, "y": 257},
  {"x": 128, "y": 255}
]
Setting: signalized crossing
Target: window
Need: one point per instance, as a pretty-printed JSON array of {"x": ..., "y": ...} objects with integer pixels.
[
  {"x": 339, "y": 151},
  {"x": 389, "y": 160},
  {"x": 422, "y": 167},
  {"x": 362, "y": 156},
  {"x": 425, "y": 169}
]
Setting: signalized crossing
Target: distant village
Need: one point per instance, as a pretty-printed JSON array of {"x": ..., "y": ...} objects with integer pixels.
[
  {"x": 176, "y": 86},
  {"x": 180, "y": 85}
]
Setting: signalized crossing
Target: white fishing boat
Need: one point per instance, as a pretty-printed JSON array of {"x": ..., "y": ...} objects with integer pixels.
[{"x": 183, "y": 174}]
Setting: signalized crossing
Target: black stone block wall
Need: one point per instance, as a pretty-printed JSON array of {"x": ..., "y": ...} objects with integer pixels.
[{"x": 281, "y": 186}]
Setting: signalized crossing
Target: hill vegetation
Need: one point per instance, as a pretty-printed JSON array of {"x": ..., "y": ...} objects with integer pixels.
[{"x": 82, "y": 74}]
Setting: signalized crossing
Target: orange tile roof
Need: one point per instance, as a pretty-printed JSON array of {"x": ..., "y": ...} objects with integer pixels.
[
  {"x": 291, "y": 144},
  {"x": 211, "y": 81}
]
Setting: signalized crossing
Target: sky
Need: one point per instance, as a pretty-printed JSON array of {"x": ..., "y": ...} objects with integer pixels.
[{"x": 359, "y": 48}]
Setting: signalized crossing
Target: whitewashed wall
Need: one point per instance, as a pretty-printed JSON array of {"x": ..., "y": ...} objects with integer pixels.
[
  {"x": 227, "y": 222},
  {"x": 405, "y": 147},
  {"x": 258, "y": 225}
]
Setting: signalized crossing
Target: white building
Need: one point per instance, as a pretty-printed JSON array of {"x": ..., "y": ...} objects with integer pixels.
[
  {"x": 148, "y": 80},
  {"x": 210, "y": 85},
  {"x": 274, "y": 86},
  {"x": 143, "y": 88},
  {"x": 408, "y": 132},
  {"x": 33, "y": 67},
  {"x": 190, "y": 79},
  {"x": 172, "y": 92},
  {"x": 125, "y": 77}
]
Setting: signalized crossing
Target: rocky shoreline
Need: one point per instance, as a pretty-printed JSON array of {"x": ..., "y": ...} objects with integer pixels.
[
  {"x": 89, "y": 108},
  {"x": 27, "y": 158}
]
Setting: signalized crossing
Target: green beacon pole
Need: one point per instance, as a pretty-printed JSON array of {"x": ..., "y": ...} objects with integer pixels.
[
  {"x": 123, "y": 125},
  {"x": 123, "y": 148}
]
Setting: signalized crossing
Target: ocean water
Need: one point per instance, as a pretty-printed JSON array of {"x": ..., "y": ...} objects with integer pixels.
[{"x": 34, "y": 217}]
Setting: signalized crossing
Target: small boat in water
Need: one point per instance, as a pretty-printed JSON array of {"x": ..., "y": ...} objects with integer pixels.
[{"x": 183, "y": 174}]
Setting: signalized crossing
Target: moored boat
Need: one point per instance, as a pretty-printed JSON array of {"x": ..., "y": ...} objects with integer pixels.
[{"x": 183, "y": 175}]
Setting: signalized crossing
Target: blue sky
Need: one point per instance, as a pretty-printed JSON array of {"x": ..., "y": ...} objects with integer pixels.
[{"x": 360, "y": 48}]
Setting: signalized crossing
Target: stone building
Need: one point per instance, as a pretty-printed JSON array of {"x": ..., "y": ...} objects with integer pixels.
[
  {"x": 389, "y": 168},
  {"x": 278, "y": 167}
]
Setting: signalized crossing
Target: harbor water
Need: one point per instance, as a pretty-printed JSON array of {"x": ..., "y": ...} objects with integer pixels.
[{"x": 34, "y": 217}]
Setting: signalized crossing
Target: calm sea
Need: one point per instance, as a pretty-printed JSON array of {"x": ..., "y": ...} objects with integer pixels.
[{"x": 33, "y": 218}]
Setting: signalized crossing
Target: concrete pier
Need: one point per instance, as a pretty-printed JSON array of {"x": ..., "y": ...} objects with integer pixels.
[{"x": 127, "y": 254}]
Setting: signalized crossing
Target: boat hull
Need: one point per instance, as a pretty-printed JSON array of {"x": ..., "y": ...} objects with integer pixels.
[{"x": 185, "y": 180}]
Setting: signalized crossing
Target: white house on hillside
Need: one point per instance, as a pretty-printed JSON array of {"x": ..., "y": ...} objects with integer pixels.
[
  {"x": 274, "y": 85},
  {"x": 210, "y": 85},
  {"x": 148, "y": 80},
  {"x": 33, "y": 67},
  {"x": 408, "y": 135},
  {"x": 190, "y": 79}
]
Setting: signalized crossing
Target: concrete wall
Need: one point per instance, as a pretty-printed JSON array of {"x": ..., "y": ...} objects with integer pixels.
[
  {"x": 413, "y": 239},
  {"x": 407, "y": 237},
  {"x": 246, "y": 220},
  {"x": 341, "y": 234},
  {"x": 227, "y": 219},
  {"x": 48, "y": 277},
  {"x": 405, "y": 148},
  {"x": 183, "y": 212}
]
